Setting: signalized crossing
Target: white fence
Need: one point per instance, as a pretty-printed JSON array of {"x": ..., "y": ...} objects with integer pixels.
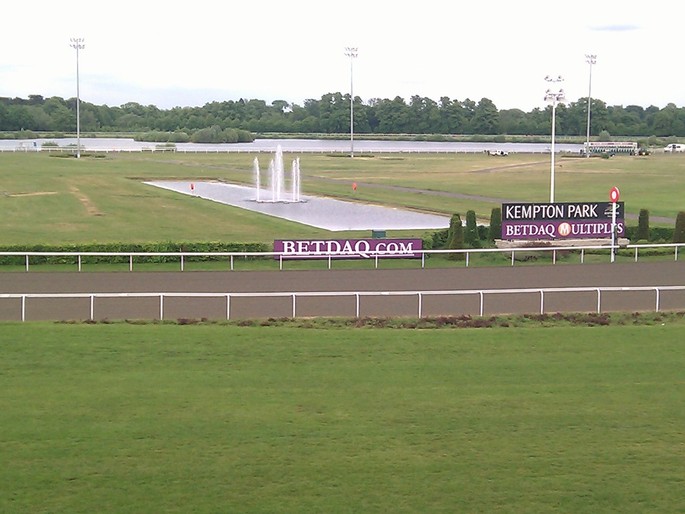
[
  {"x": 481, "y": 294},
  {"x": 376, "y": 256}
]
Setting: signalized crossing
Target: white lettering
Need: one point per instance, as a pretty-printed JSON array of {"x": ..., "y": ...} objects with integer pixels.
[
  {"x": 406, "y": 247},
  {"x": 362, "y": 248}
]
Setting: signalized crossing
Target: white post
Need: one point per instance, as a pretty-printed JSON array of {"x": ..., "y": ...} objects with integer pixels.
[
  {"x": 613, "y": 231},
  {"x": 77, "y": 43},
  {"x": 590, "y": 59},
  {"x": 553, "y": 96},
  {"x": 551, "y": 183},
  {"x": 351, "y": 52}
]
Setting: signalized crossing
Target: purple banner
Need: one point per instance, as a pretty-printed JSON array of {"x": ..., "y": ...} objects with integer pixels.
[
  {"x": 560, "y": 211},
  {"x": 558, "y": 229},
  {"x": 347, "y": 248}
]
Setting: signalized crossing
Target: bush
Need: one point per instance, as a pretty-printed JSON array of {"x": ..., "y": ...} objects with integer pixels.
[
  {"x": 471, "y": 235},
  {"x": 643, "y": 226},
  {"x": 455, "y": 238},
  {"x": 495, "y": 224},
  {"x": 440, "y": 238},
  {"x": 160, "y": 247},
  {"x": 679, "y": 232}
]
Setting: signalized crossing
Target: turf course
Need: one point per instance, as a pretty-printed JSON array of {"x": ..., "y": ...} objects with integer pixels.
[
  {"x": 209, "y": 418},
  {"x": 47, "y": 199}
]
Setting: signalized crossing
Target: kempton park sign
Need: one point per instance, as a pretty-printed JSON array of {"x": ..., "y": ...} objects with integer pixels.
[{"x": 542, "y": 221}]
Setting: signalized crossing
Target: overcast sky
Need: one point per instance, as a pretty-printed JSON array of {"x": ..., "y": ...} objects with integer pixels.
[{"x": 170, "y": 54}]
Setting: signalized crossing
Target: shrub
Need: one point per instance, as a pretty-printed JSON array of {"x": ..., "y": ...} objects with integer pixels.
[
  {"x": 495, "y": 224},
  {"x": 440, "y": 238},
  {"x": 471, "y": 235},
  {"x": 643, "y": 226},
  {"x": 455, "y": 238},
  {"x": 679, "y": 232}
]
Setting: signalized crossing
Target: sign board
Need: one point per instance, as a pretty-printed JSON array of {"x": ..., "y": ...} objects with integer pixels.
[
  {"x": 536, "y": 221},
  {"x": 347, "y": 248}
]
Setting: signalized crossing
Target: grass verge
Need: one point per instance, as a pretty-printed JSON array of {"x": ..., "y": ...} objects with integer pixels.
[{"x": 222, "y": 418}]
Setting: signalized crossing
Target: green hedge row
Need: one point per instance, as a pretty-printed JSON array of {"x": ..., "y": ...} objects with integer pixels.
[
  {"x": 203, "y": 247},
  {"x": 656, "y": 234}
]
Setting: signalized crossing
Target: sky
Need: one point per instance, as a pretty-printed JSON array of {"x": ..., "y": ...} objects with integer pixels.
[{"x": 172, "y": 54}]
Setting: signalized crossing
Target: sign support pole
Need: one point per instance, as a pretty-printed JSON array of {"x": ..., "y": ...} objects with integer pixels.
[
  {"x": 614, "y": 195},
  {"x": 613, "y": 233}
]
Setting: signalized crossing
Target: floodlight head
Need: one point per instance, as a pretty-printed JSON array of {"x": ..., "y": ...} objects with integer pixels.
[{"x": 77, "y": 43}]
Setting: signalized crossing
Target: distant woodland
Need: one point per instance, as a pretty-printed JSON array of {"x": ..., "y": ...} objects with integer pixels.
[{"x": 233, "y": 121}]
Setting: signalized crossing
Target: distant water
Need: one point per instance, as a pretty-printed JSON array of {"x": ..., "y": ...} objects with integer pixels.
[{"x": 290, "y": 146}]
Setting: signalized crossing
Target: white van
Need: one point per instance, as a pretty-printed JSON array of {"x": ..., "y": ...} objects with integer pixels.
[{"x": 674, "y": 147}]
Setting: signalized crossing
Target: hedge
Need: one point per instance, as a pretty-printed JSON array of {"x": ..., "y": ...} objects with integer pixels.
[{"x": 126, "y": 248}]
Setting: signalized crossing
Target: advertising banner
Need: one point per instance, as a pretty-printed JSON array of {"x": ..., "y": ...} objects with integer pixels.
[
  {"x": 348, "y": 248},
  {"x": 534, "y": 221}
]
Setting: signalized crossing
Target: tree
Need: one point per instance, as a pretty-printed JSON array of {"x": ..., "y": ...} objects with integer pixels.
[
  {"x": 485, "y": 118},
  {"x": 679, "y": 232},
  {"x": 643, "y": 226},
  {"x": 471, "y": 237},
  {"x": 455, "y": 237},
  {"x": 495, "y": 231}
]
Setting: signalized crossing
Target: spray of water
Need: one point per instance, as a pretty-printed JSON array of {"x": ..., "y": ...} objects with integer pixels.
[{"x": 276, "y": 191}]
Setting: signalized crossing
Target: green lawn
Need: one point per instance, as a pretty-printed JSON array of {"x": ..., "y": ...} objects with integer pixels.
[
  {"x": 48, "y": 199},
  {"x": 218, "y": 418}
]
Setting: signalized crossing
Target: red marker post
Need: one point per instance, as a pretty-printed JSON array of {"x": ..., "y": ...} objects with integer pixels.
[{"x": 614, "y": 195}]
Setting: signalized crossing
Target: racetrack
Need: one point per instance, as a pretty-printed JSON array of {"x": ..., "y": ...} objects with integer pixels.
[{"x": 238, "y": 283}]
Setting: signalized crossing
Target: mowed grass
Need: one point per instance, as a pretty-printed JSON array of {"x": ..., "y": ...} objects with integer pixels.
[
  {"x": 47, "y": 199},
  {"x": 209, "y": 418}
]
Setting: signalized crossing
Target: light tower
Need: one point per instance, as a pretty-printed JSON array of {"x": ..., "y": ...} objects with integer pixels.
[
  {"x": 590, "y": 59},
  {"x": 554, "y": 95},
  {"x": 351, "y": 52},
  {"x": 77, "y": 44}
]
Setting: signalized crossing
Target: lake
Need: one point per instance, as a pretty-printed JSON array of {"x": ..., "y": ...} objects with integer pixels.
[{"x": 288, "y": 146}]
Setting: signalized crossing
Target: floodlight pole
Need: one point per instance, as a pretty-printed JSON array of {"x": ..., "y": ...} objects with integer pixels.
[
  {"x": 351, "y": 52},
  {"x": 553, "y": 96},
  {"x": 77, "y": 43},
  {"x": 590, "y": 59}
]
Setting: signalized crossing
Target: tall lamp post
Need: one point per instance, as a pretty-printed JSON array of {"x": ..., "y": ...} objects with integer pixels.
[
  {"x": 590, "y": 59},
  {"x": 352, "y": 54},
  {"x": 77, "y": 43},
  {"x": 554, "y": 95}
]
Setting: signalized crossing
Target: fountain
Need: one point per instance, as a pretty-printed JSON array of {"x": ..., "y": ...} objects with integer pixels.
[{"x": 276, "y": 184}]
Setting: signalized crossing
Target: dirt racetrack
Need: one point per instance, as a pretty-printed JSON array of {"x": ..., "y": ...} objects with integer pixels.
[{"x": 242, "y": 286}]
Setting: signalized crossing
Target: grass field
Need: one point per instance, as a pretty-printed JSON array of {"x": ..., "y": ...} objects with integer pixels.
[
  {"x": 55, "y": 200},
  {"x": 208, "y": 418}
]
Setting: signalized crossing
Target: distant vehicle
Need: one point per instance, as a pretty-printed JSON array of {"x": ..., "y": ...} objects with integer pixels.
[
  {"x": 674, "y": 147},
  {"x": 496, "y": 153}
]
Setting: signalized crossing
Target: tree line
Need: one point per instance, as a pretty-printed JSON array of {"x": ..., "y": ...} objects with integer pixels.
[{"x": 237, "y": 120}]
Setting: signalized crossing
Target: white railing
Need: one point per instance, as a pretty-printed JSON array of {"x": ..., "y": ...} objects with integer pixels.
[
  {"x": 376, "y": 256},
  {"x": 420, "y": 295}
]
